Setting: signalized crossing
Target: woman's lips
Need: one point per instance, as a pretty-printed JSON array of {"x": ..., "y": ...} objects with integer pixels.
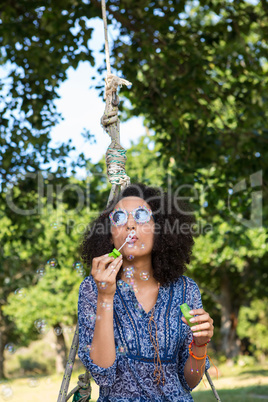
[{"x": 131, "y": 241}]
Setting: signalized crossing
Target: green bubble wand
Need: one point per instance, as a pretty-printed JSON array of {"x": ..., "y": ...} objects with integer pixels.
[{"x": 116, "y": 253}]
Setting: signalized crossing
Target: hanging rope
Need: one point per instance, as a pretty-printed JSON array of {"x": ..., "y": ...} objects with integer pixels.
[
  {"x": 116, "y": 154},
  {"x": 107, "y": 53}
]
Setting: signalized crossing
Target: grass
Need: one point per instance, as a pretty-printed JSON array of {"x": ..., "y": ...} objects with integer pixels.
[
  {"x": 245, "y": 394},
  {"x": 246, "y": 381},
  {"x": 235, "y": 384}
]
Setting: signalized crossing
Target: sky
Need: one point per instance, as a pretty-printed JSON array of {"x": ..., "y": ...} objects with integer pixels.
[{"x": 82, "y": 107}]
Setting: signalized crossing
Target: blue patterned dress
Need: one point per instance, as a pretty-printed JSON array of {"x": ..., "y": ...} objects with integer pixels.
[{"x": 131, "y": 377}]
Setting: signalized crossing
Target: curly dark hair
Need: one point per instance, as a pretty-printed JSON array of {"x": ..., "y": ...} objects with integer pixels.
[{"x": 173, "y": 240}]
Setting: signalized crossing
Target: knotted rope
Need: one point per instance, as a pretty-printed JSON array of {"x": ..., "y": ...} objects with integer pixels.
[
  {"x": 82, "y": 391},
  {"x": 115, "y": 154}
]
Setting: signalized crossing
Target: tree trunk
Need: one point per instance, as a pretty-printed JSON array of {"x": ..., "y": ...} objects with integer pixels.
[
  {"x": 61, "y": 351},
  {"x": 230, "y": 342}
]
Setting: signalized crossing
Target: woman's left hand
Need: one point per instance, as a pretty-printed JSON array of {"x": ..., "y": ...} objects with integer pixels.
[{"x": 202, "y": 332}]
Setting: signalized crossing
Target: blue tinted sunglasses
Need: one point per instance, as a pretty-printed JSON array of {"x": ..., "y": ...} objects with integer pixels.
[{"x": 119, "y": 216}]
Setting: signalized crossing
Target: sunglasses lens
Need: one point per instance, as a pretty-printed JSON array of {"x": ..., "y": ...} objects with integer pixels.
[
  {"x": 119, "y": 218},
  {"x": 142, "y": 215}
]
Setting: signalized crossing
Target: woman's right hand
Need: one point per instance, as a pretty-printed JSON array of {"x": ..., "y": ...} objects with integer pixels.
[{"x": 104, "y": 271}]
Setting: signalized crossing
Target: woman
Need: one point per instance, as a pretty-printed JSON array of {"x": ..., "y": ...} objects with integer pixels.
[{"x": 132, "y": 336}]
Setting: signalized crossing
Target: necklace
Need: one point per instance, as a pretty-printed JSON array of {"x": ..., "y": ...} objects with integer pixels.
[{"x": 158, "y": 369}]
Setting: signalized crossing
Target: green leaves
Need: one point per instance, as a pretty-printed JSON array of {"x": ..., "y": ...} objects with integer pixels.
[
  {"x": 39, "y": 43},
  {"x": 252, "y": 326},
  {"x": 53, "y": 299}
]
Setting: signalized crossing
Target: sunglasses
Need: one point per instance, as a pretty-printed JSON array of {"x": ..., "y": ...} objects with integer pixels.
[{"x": 119, "y": 216}]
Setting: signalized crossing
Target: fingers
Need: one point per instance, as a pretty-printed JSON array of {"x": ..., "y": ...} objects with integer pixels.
[
  {"x": 100, "y": 263},
  {"x": 204, "y": 328},
  {"x": 197, "y": 311},
  {"x": 105, "y": 269},
  {"x": 204, "y": 323},
  {"x": 113, "y": 268},
  {"x": 200, "y": 318}
]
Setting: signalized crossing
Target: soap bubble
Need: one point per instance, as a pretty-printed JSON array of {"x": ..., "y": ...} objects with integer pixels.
[
  {"x": 53, "y": 263},
  {"x": 81, "y": 272},
  {"x": 33, "y": 382},
  {"x": 137, "y": 306},
  {"x": 129, "y": 337},
  {"x": 6, "y": 392},
  {"x": 130, "y": 257},
  {"x": 128, "y": 272},
  {"x": 40, "y": 272},
  {"x": 78, "y": 266},
  {"x": 20, "y": 293},
  {"x": 132, "y": 282},
  {"x": 88, "y": 348},
  {"x": 54, "y": 225},
  {"x": 57, "y": 331},
  {"x": 143, "y": 246},
  {"x": 135, "y": 288},
  {"x": 103, "y": 285},
  {"x": 139, "y": 309},
  {"x": 91, "y": 317},
  {"x": 144, "y": 276},
  {"x": 70, "y": 364},
  {"x": 123, "y": 286},
  {"x": 130, "y": 245},
  {"x": 41, "y": 326},
  {"x": 10, "y": 348},
  {"x": 122, "y": 350},
  {"x": 106, "y": 306},
  {"x": 67, "y": 330}
]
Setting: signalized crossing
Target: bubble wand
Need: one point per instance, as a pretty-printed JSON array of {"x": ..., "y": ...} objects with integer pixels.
[{"x": 116, "y": 253}]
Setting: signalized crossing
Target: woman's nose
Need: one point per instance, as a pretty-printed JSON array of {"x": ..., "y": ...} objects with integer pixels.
[{"x": 131, "y": 223}]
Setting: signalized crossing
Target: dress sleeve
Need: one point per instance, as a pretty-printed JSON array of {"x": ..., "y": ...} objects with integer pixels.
[
  {"x": 193, "y": 299},
  {"x": 87, "y": 307}
]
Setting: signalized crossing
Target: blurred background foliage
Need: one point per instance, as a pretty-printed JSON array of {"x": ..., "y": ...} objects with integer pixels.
[{"x": 199, "y": 73}]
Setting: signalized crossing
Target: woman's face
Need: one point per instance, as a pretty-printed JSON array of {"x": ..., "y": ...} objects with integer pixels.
[{"x": 142, "y": 244}]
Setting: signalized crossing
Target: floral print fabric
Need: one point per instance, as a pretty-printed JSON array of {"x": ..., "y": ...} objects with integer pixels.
[{"x": 131, "y": 377}]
